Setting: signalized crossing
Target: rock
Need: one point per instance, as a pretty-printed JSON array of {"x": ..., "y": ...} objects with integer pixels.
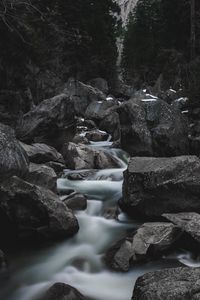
[
  {"x": 51, "y": 122},
  {"x": 100, "y": 84},
  {"x": 153, "y": 186},
  {"x": 168, "y": 284},
  {"x": 151, "y": 127},
  {"x": 80, "y": 157},
  {"x": 42, "y": 153},
  {"x": 97, "y": 136},
  {"x": 76, "y": 201},
  {"x": 81, "y": 95},
  {"x": 62, "y": 291},
  {"x": 148, "y": 242},
  {"x": 111, "y": 124},
  {"x": 57, "y": 167},
  {"x": 80, "y": 139},
  {"x": 188, "y": 222},
  {"x": 13, "y": 158},
  {"x": 135, "y": 135},
  {"x": 98, "y": 110},
  {"x": 30, "y": 213},
  {"x": 3, "y": 262},
  {"x": 42, "y": 175},
  {"x": 10, "y": 107}
]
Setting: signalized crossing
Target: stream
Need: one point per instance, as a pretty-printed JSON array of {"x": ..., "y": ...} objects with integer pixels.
[{"x": 78, "y": 261}]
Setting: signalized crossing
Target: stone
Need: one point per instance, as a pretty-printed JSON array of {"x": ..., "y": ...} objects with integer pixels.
[
  {"x": 111, "y": 124},
  {"x": 13, "y": 158},
  {"x": 76, "y": 201},
  {"x": 168, "y": 284},
  {"x": 42, "y": 175},
  {"x": 79, "y": 157},
  {"x": 153, "y": 186},
  {"x": 148, "y": 242},
  {"x": 29, "y": 213},
  {"x": 42, "y": 153},
  {"x": 100, "y": 84},
  {"x": 62, "y": 291},
  {"x": 97, "y": 136},
  {"x": 50, "y": 122},
  {"x": 98, "y": 110}
]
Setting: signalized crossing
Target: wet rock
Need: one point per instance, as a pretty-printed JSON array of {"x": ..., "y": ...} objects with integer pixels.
[
  {"x": 62, "y": 291},
  {"x": 84, "y": 157},
  {"x": 42, "y": 153},
  {"x": 151, "y": 127},
  {"x": 76, "y": 201},
  {"x": 148, "y": 242},
  {"x": 188, "y": 222},
  {"x": 42, "y": 175},
  {"x": 10, "y": 107},
  {"x": 13, "y": 158},
  {"x": 97, "y": 136},
  {"x": 111, "y": 124},
  {"x": 98, "y": 110},
  {"x": 153, "y": 186},
  {"x": 100, "y": 83},
  {"x": 135, "y": 135},
  {"x": 81, "y": 95},
  {"x": 29, "y": 213},
  {"x": 168, "y": 284},
  {"x": 51, "y": 122},
  {"x": 80, "y": 139}
]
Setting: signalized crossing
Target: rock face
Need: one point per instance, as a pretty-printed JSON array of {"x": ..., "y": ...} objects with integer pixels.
[
  {"x": 42, "y": 175},
  {"x": 153, "y": 186},
  {"x": 148, "y": 242},
  {"x": 76, "y": 201},
  {"x": 80, "y": 157},
  {"x": 50, "y": 122},
  {"x": 42, "y": 153},
  {"x": 111, "y": 124},
  {"x": 62, "y": 291},
  {"x": 188, "y": 222},
  {"x": 151, "y": 127},
  {"x": 81, "y": 95},
  {"x": 168, "y": 284},
  {"x": 32, "y": 213},
  {"x": 13, "y": 158},
  {"x": 98, "y": 110}
]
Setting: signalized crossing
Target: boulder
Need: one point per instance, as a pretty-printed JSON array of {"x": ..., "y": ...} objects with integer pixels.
[
  {"x": 97, "y": 136},
  {"x": 29, "y": 213},
  {"x": 188, "y": 222},
  {"x": 151, "y": 127},
  {"x": 111, "y": 124},
  {"x": 153, "y": 186},
  {"x": 100, "y": 84},
  {"x": 51, "y": 122},
  {"x": 13, "y": 158},
  {"x": 76, "y": 201},
  {"x": 168, "y": 284},
  {"x": 81, "y": 95},
  {"x": 148, "y": 242},
  {"x": 80, "y": 157},
  {"x": 42, "y": 175},
  {"x": 62, "y": 291},
  {"x": 98, "y": 110},
  {"x": 42, "y": 153},
  {"x": 57, "y": 167}
]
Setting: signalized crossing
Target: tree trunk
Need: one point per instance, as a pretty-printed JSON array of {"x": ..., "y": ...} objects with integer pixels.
[{"x": 193, "y": 35}]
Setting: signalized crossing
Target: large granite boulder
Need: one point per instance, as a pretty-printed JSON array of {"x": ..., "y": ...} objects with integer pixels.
[
  {"x": 13, "y": 158},
  {"x": 42, "y": 153},
  {"x": 62, "y": 291},
  {"x": 42, "y": 175},
  {"x": 79, "y": 156},
  {"x": 153, "y": 186},
  {"x": 98, "y": 110},
  {"x": 111, "y": 124},
  {"x": 168, "y": 284},
  {"x": 50, "y": 122},
  {"x": 29, "y": 213},
  {"x": 81, "y": 95},
  {"x": 151, "y": 127},
  {"x": 148, "y": 242}
]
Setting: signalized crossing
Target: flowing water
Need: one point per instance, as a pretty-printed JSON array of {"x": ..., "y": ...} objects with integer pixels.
[{"x": 78, "y": 261}]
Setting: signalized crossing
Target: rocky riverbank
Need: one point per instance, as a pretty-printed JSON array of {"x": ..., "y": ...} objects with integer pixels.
[{"x": 63, "y": 156}]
